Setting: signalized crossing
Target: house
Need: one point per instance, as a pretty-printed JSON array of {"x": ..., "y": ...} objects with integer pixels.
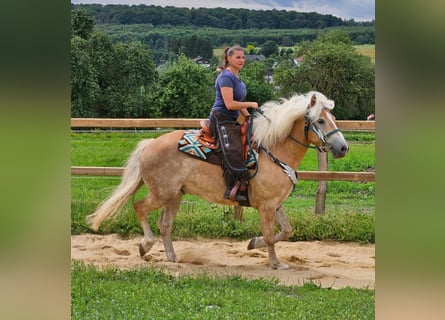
[
  {"x": 202, "y": 61},
  {"x": 254, "y": 57},
  {"x": 298, "y": 60}
]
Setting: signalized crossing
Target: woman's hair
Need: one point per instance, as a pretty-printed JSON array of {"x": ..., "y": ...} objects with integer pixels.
[{"x": 229, "y": 52}]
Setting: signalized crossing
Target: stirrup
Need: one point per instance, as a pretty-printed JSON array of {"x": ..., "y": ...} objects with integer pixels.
[{"x": 233, "y": 194}]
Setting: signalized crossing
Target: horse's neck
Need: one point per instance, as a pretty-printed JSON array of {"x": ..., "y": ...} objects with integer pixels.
[{"x": 289, "y": 151}]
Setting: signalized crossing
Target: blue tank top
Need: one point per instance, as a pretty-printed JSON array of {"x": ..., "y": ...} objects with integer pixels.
[{"x": 228, "y": 79}]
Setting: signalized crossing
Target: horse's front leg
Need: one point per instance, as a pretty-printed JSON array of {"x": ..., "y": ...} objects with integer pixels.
[
  {"x": 285, "y": 233},
  {"x": 269, "y": 239}
]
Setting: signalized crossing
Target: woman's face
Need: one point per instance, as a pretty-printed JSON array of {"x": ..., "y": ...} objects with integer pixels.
[{"x": 237, "y": 59}]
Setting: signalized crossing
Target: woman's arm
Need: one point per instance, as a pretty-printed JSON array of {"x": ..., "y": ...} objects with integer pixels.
[{"x": 231, "y": 104}]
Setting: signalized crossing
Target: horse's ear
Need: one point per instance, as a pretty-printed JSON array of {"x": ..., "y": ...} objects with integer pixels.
[{"x": 313, "y": 100}]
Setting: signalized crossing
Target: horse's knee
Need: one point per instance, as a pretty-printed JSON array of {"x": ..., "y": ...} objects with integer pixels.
[{"x": 143, "y": 207}]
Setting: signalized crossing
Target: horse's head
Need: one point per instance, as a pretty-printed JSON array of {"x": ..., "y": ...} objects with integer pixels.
[{"x": 321, "y": 129}]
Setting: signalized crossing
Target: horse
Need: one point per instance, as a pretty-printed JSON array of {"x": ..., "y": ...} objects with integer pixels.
[{"x": 283, "y": 131}]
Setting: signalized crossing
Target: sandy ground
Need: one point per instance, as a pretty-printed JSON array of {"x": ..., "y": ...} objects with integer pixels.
[{"x": 325, "y": 263}]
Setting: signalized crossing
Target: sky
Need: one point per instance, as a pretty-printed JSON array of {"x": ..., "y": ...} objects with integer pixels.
[{"x": 359, "y": 10}]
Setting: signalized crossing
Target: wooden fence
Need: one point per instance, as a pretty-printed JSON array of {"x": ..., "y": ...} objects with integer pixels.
[
  {"x": 322, "y": 175},
  {"x": 187, "y": 123}
]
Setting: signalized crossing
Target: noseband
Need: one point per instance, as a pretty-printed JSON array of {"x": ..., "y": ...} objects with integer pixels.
[{"x": 310, "y": 125}]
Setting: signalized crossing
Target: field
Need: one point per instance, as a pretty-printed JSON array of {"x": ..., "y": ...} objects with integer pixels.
[
  {"x": 110, "y": 280},
  {"x": 367, "y": 50}
]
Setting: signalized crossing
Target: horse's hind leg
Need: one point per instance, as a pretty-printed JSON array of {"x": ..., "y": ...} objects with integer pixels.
[
  {"x": 142, "y": 208},
  {"x": 165, "y": 224}
]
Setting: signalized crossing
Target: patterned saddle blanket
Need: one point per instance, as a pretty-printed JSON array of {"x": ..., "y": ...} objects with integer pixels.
[{"x": 191, "y": 144}]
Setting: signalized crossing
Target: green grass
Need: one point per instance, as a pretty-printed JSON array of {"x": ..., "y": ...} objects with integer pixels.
[
  {"x": 350, "y": 206},
  {"x": 104, "y": 148},
  {"x": 153, "y": 294}
]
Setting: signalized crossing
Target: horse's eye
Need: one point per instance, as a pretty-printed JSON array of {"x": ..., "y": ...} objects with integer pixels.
[{"x": 320, "y": 121}]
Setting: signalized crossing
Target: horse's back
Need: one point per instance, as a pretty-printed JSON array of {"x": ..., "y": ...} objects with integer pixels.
[
  {"x": 162, "y": 148},
  {"x": 163, "y": 155}
]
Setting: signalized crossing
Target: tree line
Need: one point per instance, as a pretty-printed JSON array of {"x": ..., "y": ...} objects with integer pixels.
[
  {"x": 221, "y": 18},
  {"x": 113, "y": 79},
  {"x": 160, "y": 38}
]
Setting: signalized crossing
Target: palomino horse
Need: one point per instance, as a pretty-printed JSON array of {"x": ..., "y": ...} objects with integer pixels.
[{"x": 283, "y": 132}]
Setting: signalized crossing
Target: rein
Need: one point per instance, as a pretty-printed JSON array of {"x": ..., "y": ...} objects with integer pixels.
[
  {"x": 291, "y": 173},
  {"x": 309, "y": 125}
]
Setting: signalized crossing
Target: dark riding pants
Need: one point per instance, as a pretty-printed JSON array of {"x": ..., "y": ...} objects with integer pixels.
[{"x": 227, "y": 132}]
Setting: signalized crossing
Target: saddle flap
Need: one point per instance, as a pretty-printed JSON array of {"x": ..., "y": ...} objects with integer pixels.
[
  {"x": 205, "y": 123},
  {"x": 204, "y": 135}
]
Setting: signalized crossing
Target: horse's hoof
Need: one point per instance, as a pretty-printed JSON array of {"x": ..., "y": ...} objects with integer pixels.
[
  {"x": 141, "y": 250},
  {"x": 251, "y": 244},
  {"x": 280, "y": 266}
]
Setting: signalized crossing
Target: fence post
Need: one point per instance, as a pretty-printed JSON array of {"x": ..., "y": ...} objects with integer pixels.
[{"x": 320, "y": 200}]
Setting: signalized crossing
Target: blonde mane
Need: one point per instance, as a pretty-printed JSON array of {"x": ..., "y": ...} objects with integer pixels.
[{"x": 279, "y": 116}]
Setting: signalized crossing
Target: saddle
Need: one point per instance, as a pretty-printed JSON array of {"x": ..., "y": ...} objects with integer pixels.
[{"x": 205, "y": 137}]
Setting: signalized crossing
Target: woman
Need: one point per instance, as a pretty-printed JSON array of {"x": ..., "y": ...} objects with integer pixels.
[{"x": 229, "y": 104}]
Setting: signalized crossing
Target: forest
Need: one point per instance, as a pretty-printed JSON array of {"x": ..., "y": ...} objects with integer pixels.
[{"x": 223, "y": 18}]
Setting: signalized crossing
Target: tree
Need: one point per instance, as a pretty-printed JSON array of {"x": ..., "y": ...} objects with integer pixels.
[
  {"x": 191, "y": 46},
  {"x": 82, "y": 22},
  {"x": 287, "y": 41},
  {"x": 133, "y": 75},
  {"x": 258, "y": 89},
  {"x": 285, "y": 75},
  {"x": 250, "y": 49},
  {"x": 185, "y": 90},
  {"x": 101, "y": 51},
  {"x": 269, "y": 48},
  {"x": 84, "y": 87},
  {"x": 332, "y": 66}
]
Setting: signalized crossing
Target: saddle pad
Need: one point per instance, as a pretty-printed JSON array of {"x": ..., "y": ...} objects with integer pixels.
[{"x": 189, "y": 144}]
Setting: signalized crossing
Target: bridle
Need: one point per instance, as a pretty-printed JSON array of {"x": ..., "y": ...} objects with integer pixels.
[{"x": 311, "y": 125}]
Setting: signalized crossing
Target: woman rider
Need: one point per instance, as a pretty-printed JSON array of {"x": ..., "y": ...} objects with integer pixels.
[{"x": 229, "y": 103}]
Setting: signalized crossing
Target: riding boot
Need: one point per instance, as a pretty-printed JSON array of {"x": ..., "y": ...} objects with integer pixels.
[
  {"x": 234, "y": 187},
  {"x": 236, "y": 195}
]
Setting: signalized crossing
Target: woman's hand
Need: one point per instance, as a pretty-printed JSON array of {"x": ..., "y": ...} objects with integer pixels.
[{"x": 254, "y": 105}]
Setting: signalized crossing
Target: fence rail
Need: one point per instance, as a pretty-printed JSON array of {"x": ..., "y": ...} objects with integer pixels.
[
  {"x": 348, "y": 125},
  {"x": 303, "y": 175}
]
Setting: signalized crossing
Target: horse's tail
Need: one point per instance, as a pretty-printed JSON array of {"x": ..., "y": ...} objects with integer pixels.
[{"x": 130, "y": 183}]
